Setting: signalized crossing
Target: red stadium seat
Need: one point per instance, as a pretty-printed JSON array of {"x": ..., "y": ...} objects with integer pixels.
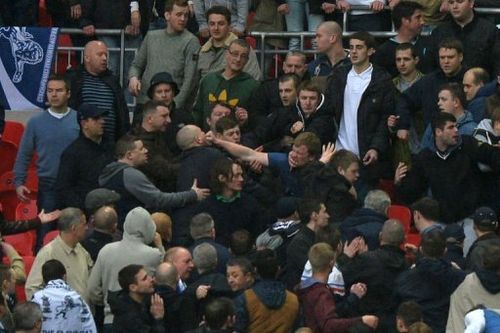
[
  {"x": 26, "y": 210},
  {"x": 413, "y": 238},
  {"x": 401, "y": 213},
  {"x": 23, "y": 242},
  {"x": 8, "y": 153},
  {"x": 9, "y": 202},
  {"x": 13, "y": 132}
]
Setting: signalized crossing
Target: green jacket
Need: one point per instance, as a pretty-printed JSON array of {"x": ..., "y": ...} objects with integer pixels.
[{"x": 240, "y": 87}]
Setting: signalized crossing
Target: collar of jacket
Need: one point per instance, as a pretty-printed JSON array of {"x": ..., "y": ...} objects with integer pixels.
[{"x": 210, "y": 42}]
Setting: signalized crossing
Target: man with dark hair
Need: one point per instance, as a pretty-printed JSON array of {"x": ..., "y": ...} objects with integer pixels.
[
  {"x": 48, "y": 134},
  {"x": 407, "y": 314},
  {"x": 240, "y": 274},
  {"x": 211, "y": 57},
  {"x": 480, "y": 287},
  {"x": 95, "y": 84},
  {"x": 230, "y": 85},
  {"x": 485, "y": 227},
  {"x": 408, "y": 21},
  {"x": 219, "y": 316},
  {"x": 430, "y": 282},
  {"x": 83, "y": 160},
  {"x": 378, "y": 269},
  {"x": 422, "y": 96},
  {"x": 67, "y": 249},
  {"x": 228, "y": 129},
  {"x": 477, "y": 34},
  {"x": 313, "y": 216},
  {"x": 406, "y": 60},
  {"x": 273, "y": 308},
  {"x": 362, "y": 96},
  {"x": 136, "y": 308},
  {"x": 75, "y": 315},
  {"x": 426, "y": 215},
  {"x": 449, "y": 169},
  {"x": 236, "y": 16},
  {"x": 451, "y": 99},
  {"x": 161, "y": 167},
  {"x": 28, "y": 317},
  {"x": 135, "y": 189}
]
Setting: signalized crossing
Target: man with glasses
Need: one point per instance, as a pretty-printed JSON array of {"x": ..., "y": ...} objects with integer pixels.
[{"x": 231, "y": 85}]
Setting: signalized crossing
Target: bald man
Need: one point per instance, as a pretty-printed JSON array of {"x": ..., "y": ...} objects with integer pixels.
[
  {"x": 332, "y": 53},
  {"x": 95, "y": 84},
  {"x": 166, "y": 279},
  {"x": 181, "y": 258}
]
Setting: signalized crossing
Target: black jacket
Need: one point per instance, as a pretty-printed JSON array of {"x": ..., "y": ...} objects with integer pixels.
[
  {"x": 423, "y": 96},
  {"x": 121, "y": 109},
  {"x": 106, "y": 14},
  {"x": 296, "y": 256},
  {"x": 95, "y": 242},
  {"x": 454, "y": 180},
  {"x": 171, "y": 302},
  {"x": 366, "y": 222},
  {"x": 430, "y": 283},
  {"x": 475, "y": 256},
  {"x": 81, "y": 164},
  {"x": 332, "y": 189},
  {"x": 478, "y": 38},
  {"x": 130, "y": 316}
]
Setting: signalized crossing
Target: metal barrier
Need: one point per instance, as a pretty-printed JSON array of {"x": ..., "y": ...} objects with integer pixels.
[{"x": 261, "y": 36}]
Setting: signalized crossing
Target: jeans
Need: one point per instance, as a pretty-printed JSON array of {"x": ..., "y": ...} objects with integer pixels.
[
  {"x": 369, "y": 22},
  {"x": 299, "y": 9}
]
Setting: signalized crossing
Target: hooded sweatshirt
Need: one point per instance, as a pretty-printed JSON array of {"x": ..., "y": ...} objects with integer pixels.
[
  {"x": 138, "y": 232},
  {"x": 135, "y": 190}
]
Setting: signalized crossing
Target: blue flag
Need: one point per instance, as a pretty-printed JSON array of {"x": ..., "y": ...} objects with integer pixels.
[{"x": 25, "y": 65}]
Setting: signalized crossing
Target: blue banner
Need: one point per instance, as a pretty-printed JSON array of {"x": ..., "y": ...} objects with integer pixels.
[{"x": 25, "y": 65}]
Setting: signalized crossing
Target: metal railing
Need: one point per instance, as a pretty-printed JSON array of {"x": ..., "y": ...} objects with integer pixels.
[{"x": 261, "y": 36}]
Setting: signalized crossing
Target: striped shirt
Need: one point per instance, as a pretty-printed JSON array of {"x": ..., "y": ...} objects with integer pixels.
[{"x": 98, "y": 93}]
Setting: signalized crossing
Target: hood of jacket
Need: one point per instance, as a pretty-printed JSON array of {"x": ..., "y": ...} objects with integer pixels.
[
  {"x": 487, "y": 90},
  {"x": 466, "y": 119},
  {"x": 318, "y": 109},
  {"x": 111, "y": 170},
  {"x": 362, "y": 216},
  {"x": 391, "y": 257},
  {"x": 271, "y": 293},
  {"x": 490, "y": 280},
  {"x": 486, "y": 124},
  {"x": 139, "y": 226}
]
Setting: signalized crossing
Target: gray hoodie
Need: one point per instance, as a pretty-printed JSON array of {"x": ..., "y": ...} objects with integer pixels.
[{"x": 138, "y": 232}]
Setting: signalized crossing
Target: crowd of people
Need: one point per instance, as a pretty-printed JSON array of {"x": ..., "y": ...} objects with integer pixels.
[{"x": 230, "y": 203}]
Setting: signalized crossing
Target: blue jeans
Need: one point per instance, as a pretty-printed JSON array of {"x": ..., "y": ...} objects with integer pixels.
[{"x": 299, "y": 9}]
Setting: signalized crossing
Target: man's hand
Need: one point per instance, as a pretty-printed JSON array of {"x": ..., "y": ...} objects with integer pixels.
[
  {"x": 204, "y": 33},
  {"x": 283, "y": 9},
  {"x": 131, "y": 30},
  {"x": 191, "y": 10},
  {"x": 49, "y": 217},
  {"x": 377, "y": 6},
  {"x": 393, "y": 3},
  {"x": 371, "y": 321},
  {"x": 371, "y": 156},
  {"x": 241, "y": 115},
  {"x": 359, "y": 289},
  {"x": 297, "y": 127},
  {"x": 76, "y": 11},
  {"x": 328, "y": 151},
  {"x": 400, "y": 173},
  {"x": 157, "y": 310},
  {"x": 202, "y": 291},
  {"x": 157, "y": 241},
  {"x": 134, "y": 86},
  {"x": 343, "y": 5},
  {"x": 22, "y": 193},
  {"x": 89, "y": 30},
  {"x": 392, "y": 121},
  {"x": 445, "y": 7},
  {"x": 354, "y": 247},
  {"x": 201, "y": 193},
  {"x": 403, "y": 134},
  {"x": 327, "y": 7},
  {"x": 135, "y": 19}
]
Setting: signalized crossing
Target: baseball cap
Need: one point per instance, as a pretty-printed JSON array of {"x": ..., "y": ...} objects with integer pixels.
[
  {"x": 86, "y": 111},
  {"x": 485, "y": 217}
]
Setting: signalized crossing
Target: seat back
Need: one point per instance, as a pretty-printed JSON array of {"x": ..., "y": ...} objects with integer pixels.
[
  {"x": 13, "y": 132},
  {"x": 26, "y": 210},
  {"x": 402, "y": 214},
  {"x": 23, "y": 242},
  {"x": 8, "y": 153}
]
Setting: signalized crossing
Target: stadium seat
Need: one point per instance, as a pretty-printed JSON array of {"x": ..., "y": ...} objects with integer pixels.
[
  {"x": 13, "y": 132},
  {"x": 413, "y": 238},
  {"x": 402, "y": 214},
  {"x": 23, "y": 242},
  {"x": 49, "y": 237},
  {"x": 9, "y": 202},
  {"x": 7, "y": 182},
  {"x": 8, "y": 153},
  {"x": 26, "y": 210}
]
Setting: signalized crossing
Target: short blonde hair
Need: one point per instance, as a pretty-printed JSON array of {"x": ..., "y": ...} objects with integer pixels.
[{"x": 321, "y": 255}]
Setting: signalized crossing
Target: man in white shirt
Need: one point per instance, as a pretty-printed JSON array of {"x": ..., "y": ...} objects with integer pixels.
[{"x": 362, "y": 96}]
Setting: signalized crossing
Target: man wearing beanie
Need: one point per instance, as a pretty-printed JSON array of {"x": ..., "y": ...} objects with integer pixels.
[
  {"x": 485, "y": 226},
  {"x": 138, "y": 233}
]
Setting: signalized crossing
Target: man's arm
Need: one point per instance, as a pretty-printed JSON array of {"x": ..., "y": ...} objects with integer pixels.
[
  {"x": 199, "y": 13},
  {"x": 23, "y": 159},
  {"x": 242, "y": 152},
  {"x": 94, "y": 284},
  {"x": 242, "y": 14},
  {"x": 34, "y": 282},
  {"x": 190, "y": 65},
  {"x": 138, "y": 65}
]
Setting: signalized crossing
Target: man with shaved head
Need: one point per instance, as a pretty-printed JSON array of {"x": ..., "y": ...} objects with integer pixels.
[
  {"x": 181, "y": 258},
  {"x": 332, "y": 53},
  {"x": 166, "y": 279},
  {"x": 477, "y": 88},
  {"x": 94, "y": 84}
]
